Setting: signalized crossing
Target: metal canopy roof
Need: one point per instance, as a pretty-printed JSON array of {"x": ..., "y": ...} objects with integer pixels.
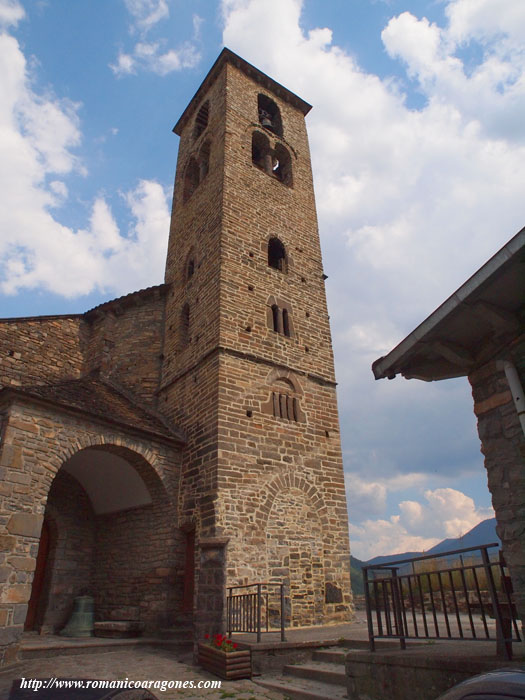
[{"x": 471, "y": 327}]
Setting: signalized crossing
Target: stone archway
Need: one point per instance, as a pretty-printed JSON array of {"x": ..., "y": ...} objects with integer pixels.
[
  {"x": 294, "y": 548},
  {"x": 114, "y": 539}
]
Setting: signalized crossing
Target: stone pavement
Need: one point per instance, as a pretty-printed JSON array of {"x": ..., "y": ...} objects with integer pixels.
[
  {"x": 146, "y": 663},
  {"x": 331, "y": 634}
]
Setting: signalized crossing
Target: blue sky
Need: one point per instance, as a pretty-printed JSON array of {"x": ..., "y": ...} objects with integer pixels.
[{"x": 418, "y": 144}]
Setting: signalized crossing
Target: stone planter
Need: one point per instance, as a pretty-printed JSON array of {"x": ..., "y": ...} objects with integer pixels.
[{"x": 225, "y": 664}]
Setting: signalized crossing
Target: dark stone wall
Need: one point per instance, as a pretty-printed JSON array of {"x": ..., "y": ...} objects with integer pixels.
[
  {"x": 138, "y": 566},
  {"x": 503, "y": 445},
  {"x": 41, "y": 350},
  {"x": 70, "y": 564}
]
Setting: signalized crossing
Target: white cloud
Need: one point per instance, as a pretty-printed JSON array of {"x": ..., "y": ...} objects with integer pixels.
[
  {"x": 147, "y": 13},
  {"x": 487, "y": 20},
  {"x": 149, "y": 56},
  {"x": 11, "y": 12},
  {"x": 38, "y": 136},
  {"x": 152, "y": 55},
  {"x": 369, "y": 498},
  {"x": 124, "y": 66},
  {"x": 365, "y": 499},
  {"x": 378, "y": 537},
  {"x": 445, "y": 513},
  {"x": 492, "y": 92}
]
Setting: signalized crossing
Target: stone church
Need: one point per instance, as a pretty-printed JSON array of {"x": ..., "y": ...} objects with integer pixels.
[{"x": 184, "y": 438}]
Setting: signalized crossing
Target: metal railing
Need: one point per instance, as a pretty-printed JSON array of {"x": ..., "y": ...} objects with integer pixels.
[
  {"x": 261, "y": 608},
  {"x": 448, "y": 598}
]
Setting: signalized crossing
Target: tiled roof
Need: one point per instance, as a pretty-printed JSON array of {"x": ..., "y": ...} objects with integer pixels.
[
  {"x": 131, "y": 299},
  {"x": 92, "y": 395}
]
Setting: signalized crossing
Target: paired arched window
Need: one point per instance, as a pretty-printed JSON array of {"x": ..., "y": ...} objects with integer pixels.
[
  {"x": 279, "y": 317},
  {"x": 269, "y": 115},
  {"x": 201, "y": 120},
  {"x": 275, "y": 162},
  {"x": 196, "y": 170},
  {"x": 277, "y": 255}
]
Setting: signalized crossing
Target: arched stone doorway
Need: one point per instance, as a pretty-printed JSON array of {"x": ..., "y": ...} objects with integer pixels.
[
  {"x": 294, "y": 546},
  {"x": 111, "y": 534}
]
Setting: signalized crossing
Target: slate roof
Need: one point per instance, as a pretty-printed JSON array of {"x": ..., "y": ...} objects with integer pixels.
[
  {"x": 91, "y": 395},
  {"x": 131, "y": 299}
]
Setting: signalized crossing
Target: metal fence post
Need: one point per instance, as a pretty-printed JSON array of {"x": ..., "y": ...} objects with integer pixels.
[
  {"x": 370, "y": 624},
  {"x": 283, "y": 638},
  {"x": 258, "y": 612},
  {"x": 396, "y": 602},
  {"x": 229, "y": 611},
  {"x": 504, "y": 646}
]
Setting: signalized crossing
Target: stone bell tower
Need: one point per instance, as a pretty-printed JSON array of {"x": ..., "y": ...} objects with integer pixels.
[{"x": 248, "y": 367}]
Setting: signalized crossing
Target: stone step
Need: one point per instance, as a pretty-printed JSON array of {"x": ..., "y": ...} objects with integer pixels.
[
  {"x": 298, "y": 689},
  {"x": 318, "y": 671},
  {"x": 332, "y": 656},
  {"x": 48, "y": 648}
]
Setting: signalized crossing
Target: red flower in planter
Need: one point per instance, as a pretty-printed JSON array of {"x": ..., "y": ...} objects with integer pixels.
[{"x": 221, "y": 641}]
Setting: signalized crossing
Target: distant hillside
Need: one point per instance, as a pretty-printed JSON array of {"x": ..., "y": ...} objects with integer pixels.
[
  {"x": 483, "y": 533},
  {"x": 356, "y": 576}
]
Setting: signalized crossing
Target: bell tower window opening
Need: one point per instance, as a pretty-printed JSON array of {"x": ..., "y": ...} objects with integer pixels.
[
  {"x": 204, "y": 160},
  {"x": 201, "y": 120},
  {"x": 282, "y": 165},
  {"x": 196, "y": 170},
  {"x": 269, "y": 115},
  {"x": 261, "y": 153},
  {"x": 277, "y": 255},
  {"x": 191, "y": 178},
  {"x": 190, "y": 269},
  {"x": 276, "y": 163},
  {"x": 286, "y": 323}
]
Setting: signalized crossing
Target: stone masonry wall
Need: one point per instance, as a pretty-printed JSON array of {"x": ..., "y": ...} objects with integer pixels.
[
  {"x": 35, "y": 442},
  {"x": 69, "y": 570},
  {"x": 503, "y": 445},
  {"x": 267, "y": 461},
  {"x": 137, "y": 566},
  {"x": 189, "y": 391},
  {"x": 242, "y": 462},
  {"x": 195, "y": 234},
  {"x": 126, "y": 343},
  {"x": 41, "y": 350}
]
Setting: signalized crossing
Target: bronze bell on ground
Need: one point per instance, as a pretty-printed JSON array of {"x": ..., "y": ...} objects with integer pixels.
[{"x": 81, "y": 621}]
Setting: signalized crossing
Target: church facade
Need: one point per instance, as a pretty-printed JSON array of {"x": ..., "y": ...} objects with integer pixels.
[{"x": 185, "y": 438}]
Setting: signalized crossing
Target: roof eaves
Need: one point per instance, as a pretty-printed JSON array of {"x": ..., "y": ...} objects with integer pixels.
[
  {"x": 228, "y": 56},
  {"x": 13, "y": 393}
]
